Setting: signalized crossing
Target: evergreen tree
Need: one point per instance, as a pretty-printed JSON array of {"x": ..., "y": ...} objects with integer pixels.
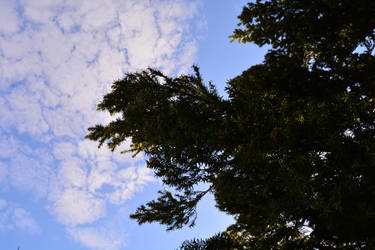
[{"x": 291, "y": 149}]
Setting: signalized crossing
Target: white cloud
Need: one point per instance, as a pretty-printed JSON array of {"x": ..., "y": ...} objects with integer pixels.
[
  {"x": 9, "y": 22},
  {"x": 26, "y": 112},
  {"x": 89, "y": 150},
  {"x": 100, "y": 175},
  {"x": 8, "y": 146},
  {"x": 29, "y": 174},
  {"x": 57, "y": 59},
  {"x": 13, "y": 217},
  {"x": 75, "y": 207},
  {"x": 82, "y": 185},
  {"x": 78, "y": 66},
  {"x": 32, "y": 10},
  {"x": 80, "y": 195},
  {"x": 107, "y": 234},
  {"x": 15, "y": 48},
  {"x": 23, "y": 220},
  {"x": 126, "y": 182},
  {"x": 63, "y": 150},
  {"x": 72, "y": 173},
  {"x": 3, "y": 176},
  {"x": 93, "y": 237}
]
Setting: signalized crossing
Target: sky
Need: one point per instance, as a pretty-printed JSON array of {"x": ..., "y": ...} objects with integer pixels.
[{"x": 57, "y": 60}]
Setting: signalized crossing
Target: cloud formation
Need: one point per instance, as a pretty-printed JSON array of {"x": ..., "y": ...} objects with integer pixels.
[
  {"x": 16, "y": 218},
  {"x": 57, "y": 59}
]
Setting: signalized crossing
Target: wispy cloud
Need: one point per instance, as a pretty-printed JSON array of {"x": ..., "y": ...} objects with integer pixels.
[
  {"x": 74, "y": 207},
  {"x": 105, "y": 234},
  {"x": 16, "y": 218},
  {"x": 9, "y": 21},
  {"x": 57, "y": 59}
]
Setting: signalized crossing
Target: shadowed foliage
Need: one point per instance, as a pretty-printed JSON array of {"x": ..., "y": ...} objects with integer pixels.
[{"x": 291, "y": 151}]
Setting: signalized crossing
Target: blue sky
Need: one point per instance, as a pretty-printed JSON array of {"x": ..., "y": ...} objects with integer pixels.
[{"x": 57, "y": 59}]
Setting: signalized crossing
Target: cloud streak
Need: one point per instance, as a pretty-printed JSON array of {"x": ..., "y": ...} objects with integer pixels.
[{"x": 57, "y": 59}]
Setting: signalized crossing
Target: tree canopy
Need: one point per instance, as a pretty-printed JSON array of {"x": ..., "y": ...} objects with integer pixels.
[{"x": 290, "y": 153}]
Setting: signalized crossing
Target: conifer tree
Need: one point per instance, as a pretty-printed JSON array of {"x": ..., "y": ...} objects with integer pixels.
[{"x": 290, "y": 154}]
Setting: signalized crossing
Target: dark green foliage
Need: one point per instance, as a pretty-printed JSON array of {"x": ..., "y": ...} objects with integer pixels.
[
  {"x": 176, "y": 122},
  {"x": 174, "y": 211},
  {"x": 292, "y": 148},
  {"x": 218, "y": 241}
]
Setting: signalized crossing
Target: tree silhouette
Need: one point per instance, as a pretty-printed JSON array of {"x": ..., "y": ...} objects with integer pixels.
[{"x": 292, "y": 148}]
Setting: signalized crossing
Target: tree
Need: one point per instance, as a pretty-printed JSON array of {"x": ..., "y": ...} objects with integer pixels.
[{"x": 292, "y": 148}]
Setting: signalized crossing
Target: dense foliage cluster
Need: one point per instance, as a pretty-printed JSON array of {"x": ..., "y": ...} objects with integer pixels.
[{"x": 290, "y": 154}]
